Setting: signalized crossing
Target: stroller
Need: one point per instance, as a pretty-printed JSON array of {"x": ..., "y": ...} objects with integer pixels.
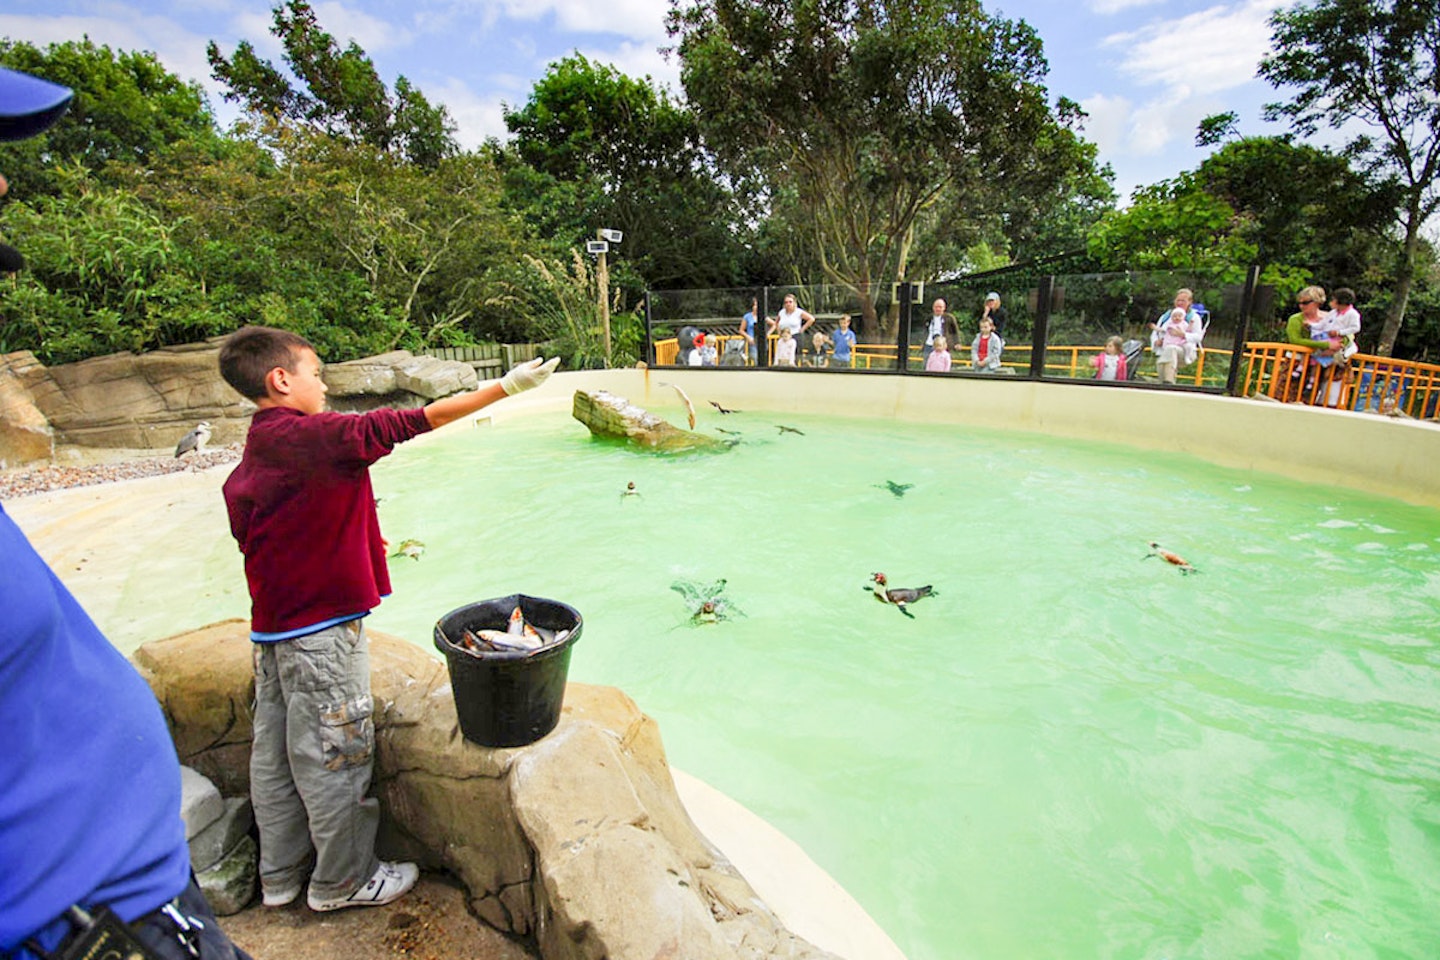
[
  {"x": 1132, "y": 350},
  {"x": 734, "y": 355}
]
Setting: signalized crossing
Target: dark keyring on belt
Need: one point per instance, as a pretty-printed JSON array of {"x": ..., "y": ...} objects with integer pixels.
[{"x": 103, "y": 934}]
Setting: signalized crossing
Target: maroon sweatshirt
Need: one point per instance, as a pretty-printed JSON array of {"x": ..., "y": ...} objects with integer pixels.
[{"x": 303, "y": 511}]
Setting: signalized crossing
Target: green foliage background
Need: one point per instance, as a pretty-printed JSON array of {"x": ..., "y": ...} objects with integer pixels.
[{"x": 343, "y": 209}]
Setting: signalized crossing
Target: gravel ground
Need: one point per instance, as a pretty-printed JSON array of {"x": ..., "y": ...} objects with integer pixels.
[
  {"x": 24, "y": 481},
  {"x": 429, "y": 923}
]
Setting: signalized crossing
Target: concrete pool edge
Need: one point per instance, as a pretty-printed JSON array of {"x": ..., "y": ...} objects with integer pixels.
[
  {"x": 1392, "y": 457},
  {"x": 807, "y": 900}
]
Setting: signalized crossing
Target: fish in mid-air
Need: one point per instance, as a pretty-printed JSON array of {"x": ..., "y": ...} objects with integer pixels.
[
  {"x": 409, "y": 548},
  {"x": 685, "y": 398}
]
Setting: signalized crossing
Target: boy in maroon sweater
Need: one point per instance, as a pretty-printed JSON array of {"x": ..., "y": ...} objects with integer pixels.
[{"x": 303, "y": 511}]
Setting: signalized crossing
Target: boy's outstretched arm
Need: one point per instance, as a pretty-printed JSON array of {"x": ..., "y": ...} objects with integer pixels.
[{"x": 523, "y": 376}]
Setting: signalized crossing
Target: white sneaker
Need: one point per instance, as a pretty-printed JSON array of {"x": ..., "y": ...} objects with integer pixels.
[
  {"x": 283, "y": 897},
  {"x": 391, "y": 882}
]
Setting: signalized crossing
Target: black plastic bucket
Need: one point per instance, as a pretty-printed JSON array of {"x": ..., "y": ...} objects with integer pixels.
[{"x": 507, "y": 698}]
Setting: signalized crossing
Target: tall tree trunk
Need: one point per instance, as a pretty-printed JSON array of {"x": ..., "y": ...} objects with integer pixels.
[{"x": 1404, "y": 277}]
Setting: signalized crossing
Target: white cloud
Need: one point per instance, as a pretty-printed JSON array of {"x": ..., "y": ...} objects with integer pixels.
[
  {"x": 254, "y": 26},
  {"x": 371, "y": 33},
  {"x": 1115, "y": 6},
  {"x": 636, "y": 19},
  {"x": 476, "y": 116},
  {"x": 180, "y": 50},
  {"x": 1108, "y": 120},
  {"x": 1180, "y": 71},
  {"x": 640, "y": 60},
  {"x": 1213, "y": 50}
]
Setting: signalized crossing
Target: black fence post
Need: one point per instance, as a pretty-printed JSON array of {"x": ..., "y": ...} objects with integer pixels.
[
  {"x": 1242, "y": 329},
  {"x": 1041, "y": 334},
  {"x": 647, "y": 349},
  {"x": 902, "y": 327}
]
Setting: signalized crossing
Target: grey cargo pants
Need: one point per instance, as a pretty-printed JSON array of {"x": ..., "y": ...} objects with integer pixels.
[{"x": 311, "y": 761}]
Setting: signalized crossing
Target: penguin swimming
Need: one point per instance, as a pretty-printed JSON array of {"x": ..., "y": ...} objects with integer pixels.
[
  {"x": 629, "y": 490},
  {"x": 1174, "y": 559},
  {"x": 720, "y": 408},
  {"x": 898, "y": 489},
  {"x": 784, "y": 429},
  {"x": 899, "y": 596},
  {"x": 707, "y": 602}
]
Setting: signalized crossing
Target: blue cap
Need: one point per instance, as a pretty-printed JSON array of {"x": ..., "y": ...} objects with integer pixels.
[{"x": 29, "y": 105}]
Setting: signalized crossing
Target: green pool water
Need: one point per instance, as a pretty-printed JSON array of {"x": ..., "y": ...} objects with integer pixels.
[{"x": 1070, "y": 751}]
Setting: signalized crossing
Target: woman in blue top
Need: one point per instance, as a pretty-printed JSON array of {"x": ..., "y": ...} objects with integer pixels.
[{"x": 747, "y": 330}]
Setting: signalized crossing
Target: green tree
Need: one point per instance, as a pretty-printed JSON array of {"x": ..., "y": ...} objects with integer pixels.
[
  {"x": 105, "y": 274},
  {"x": 868, "y": 112},
  {"x": 127, "y": 107},
  {"x": 1303, "y": 213},
  {"x": 594, "y": 148},
  {"x": 343, "y": 95},
  {"x": 1376, "y": 64}
]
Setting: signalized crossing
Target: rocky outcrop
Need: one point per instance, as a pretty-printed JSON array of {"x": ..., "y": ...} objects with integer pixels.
[
  {"x": 396, "y": 379},
  {"x": 607, "y": 415},
  {"x": 149, "y": 401},
  {"x": 578, "y": 841},
  {"x": 142, "y": 401},
  {"x": 24, "y": 432}
]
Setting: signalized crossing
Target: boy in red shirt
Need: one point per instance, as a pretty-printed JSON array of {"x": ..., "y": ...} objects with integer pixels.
[{"x": 303, "y": 511}]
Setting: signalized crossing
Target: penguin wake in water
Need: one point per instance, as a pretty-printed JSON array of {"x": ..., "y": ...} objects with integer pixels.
[
  {"x": 413, "y": 549},
  {"x": 1174, "y": 559},
  {"x": 899, "y": 596},
  {"x": 707, "y": 602}
]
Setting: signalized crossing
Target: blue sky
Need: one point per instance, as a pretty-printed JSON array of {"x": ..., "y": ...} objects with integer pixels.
[{"x": 1146, "y": 70}]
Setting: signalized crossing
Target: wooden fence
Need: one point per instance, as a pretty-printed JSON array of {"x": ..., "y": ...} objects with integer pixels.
[{"x": 491, "y": 360}]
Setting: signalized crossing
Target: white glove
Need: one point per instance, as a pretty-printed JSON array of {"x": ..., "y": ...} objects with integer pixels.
[{"x": 531, "y": 373}]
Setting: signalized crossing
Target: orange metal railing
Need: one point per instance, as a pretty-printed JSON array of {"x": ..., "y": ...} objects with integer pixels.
[
  {"x": 1280, "y": 371},
  {"x": 1288, "y": 372}
]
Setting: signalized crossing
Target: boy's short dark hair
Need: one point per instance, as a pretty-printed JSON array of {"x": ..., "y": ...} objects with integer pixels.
[
  {"x": 1344, "y": 296},
  {"x": 250, "y": 353}
]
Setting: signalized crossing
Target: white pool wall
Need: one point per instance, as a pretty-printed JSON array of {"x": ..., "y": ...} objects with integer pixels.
[{"x": 1393, "y": 457}]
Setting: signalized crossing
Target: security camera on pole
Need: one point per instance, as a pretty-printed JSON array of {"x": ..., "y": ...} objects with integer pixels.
[{"x": 600, "y": 246}]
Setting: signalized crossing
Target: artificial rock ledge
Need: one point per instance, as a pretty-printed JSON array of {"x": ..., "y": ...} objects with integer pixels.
[{"x": 578, "y": 841}]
